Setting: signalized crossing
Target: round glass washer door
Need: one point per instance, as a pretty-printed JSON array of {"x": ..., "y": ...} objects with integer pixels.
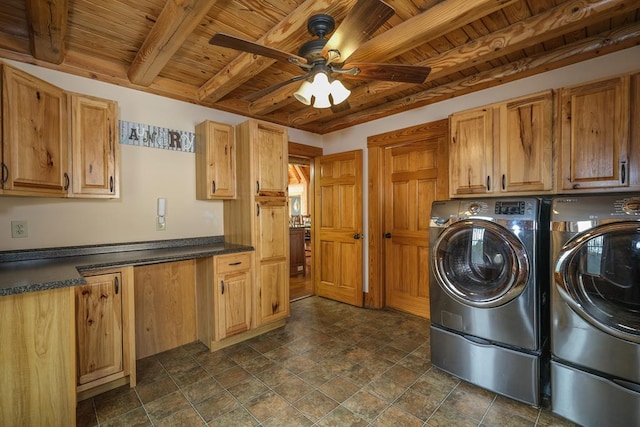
[
  {"x": 480, "y": 263},
  {"x": 597, "y": 273}
]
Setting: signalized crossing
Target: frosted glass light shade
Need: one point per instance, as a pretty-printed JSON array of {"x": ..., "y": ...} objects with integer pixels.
[
  {"x": 304, "y": 93},
  {"x": 338, "y": 92}
]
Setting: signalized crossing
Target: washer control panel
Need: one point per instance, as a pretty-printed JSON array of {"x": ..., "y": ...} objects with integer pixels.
[{"x": 512, "y": 207}]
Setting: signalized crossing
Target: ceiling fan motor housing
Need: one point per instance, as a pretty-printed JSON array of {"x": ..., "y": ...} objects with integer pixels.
[{"x": 319, "y": 26}]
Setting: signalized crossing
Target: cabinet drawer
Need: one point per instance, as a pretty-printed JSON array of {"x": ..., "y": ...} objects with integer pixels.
[{"x": 232, "y": 262}]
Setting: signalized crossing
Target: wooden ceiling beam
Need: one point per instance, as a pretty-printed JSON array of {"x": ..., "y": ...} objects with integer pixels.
[
  {"x": 538, "y": 28},
  {"x": 247, "y": 65},
  {"x": 430, "y": 24},
  {"x": 175, "y": 23},
  {"x": 47, "y": 23},
  {"x": 602, "y": 44}
]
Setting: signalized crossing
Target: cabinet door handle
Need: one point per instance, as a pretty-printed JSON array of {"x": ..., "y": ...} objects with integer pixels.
[
  {"x": 117, "y": 285},
  {"x": 235, "y": 263},
  {"x": 488, "y": 183},
  {"x": 504, "y": 181},
  {"x": 222, "y": 287},
  {"x": 257, "y": 187},
  {"x": 66, "y": 181},
  {"x": 5, "y": 174},
  {"x": 111, "y": 184},
  {"x": 257, "y": 210},
  {"x": 213, "y": 187},
  {"x": 623, "y": 172}
]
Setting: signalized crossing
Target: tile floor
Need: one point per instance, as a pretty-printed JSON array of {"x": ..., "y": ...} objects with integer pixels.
[{"x": 331, "y": 365}]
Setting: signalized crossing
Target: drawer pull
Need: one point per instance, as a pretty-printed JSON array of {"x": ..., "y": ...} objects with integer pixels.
[
  {"x": 235, "y": 263},
  {"x": 117, "y": 285},
  {"x": 222, "y": 287}
]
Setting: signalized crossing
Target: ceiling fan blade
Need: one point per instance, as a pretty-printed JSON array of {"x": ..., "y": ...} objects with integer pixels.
[
  {"x": 259, "y": 94},
  {"x": 237, "y": 43},
  {"x": 359, "y": 24},
  {"x": 388, "y": 72}
]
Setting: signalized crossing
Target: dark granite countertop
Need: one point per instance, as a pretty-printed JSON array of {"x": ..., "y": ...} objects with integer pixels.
[{"x": 50, "y": 268}]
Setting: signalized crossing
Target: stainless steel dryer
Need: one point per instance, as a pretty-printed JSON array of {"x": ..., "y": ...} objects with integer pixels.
[
  {"x": 595, "y": 307},
  {"x": 488, "y": 290}
]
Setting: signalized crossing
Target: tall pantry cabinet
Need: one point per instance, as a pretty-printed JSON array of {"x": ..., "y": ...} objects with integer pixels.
[{"x": 259, "y": 215}]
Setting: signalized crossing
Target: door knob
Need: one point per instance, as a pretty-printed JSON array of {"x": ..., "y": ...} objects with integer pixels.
[
  {"x": 356, "y": 236},
  {"x": 387, "y": 235}
]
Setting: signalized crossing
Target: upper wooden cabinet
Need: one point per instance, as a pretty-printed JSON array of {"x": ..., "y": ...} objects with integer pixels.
[
  {"x": 471, "y": 152},
  {"x": 95, "y": 150},
  {"x": 105, "y": 350},
  {"x": 594, "y": 136},
  {"x": 215, "y": 161},
  {"x": 503, "y": 148},
  {"x": 35, "y": 150},
  {"x": 270, "y": 143}
]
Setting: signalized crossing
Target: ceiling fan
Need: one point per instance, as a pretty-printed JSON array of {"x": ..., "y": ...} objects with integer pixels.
[{"x": 322, "y": 59}]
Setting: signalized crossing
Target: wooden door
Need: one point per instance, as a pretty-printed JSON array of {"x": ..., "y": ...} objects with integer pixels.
[
  {"x": 526, "y": 136},
  {"x": 594, "y": 138},
  {"x": 338, "y": 227},
  {"x": 34, "y": 136},
  {"x": 272, "y": 259},
  {"x": 95, "y": 151},
  {"x": 415, "y": 176},
  {"x": 471, "y": 152},
  {"x": 99, "y": 327},
  {"x": 215, "y": 161}
]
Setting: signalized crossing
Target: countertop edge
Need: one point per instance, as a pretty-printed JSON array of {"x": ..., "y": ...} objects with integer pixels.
[{"x": 33, "y": 275}]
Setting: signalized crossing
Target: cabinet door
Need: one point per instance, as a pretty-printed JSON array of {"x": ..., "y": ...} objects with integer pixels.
[
  {"x": 594, "y": 136},
  {"x": 215, "y": 161},
  {"x": 471, "y": 152},
  {"x": 270, "y": 144},
  {"x": 526, "y": 136},
  {"x": 233, "y": 303},
  {"x": 99, "y": 328},
  {"x": 34, "y": 136},
  {"x": 95, "y": 152},
  {"x": 272, "y": 260}
]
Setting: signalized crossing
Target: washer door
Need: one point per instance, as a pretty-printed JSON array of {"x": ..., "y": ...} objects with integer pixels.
[
  {"x": 480, "y": 263},
  {"x": 598, "y": 274}
]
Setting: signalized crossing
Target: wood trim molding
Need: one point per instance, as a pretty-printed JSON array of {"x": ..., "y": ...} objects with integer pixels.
[
  {"x": 301, "y": 150},
  {"x": 376, "y": 145}
]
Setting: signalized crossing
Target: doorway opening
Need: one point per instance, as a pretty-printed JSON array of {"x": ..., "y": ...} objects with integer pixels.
[{"x": 300, "y": 246}]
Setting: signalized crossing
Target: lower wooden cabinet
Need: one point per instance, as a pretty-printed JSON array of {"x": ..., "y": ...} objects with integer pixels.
[
  {"x": 225, "y": 296},
  {"x": 104, "y": 320}
]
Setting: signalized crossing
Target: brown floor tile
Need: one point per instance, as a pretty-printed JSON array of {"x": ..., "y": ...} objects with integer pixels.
[
  {"x": 122, "y": 403},
  {"x": 469, "y": 400},
  {"x": 238, "y": 417},
  {"x": 341, "y": 416},
  {"x": 315, "y": 405},
  {"x": 186, "y": 418},
  {"x": 243, "y": 354},
  {"x": 401, "y": 375},
  {"x": 149, "y": 392},
  {"x": 216, "y": 405},
  {"x": 365, "y": 405},
  {"x": 232, "y": 376},
  {"x": 266, "y": 406},
  {"x": 288, "y": 417},
  {"x": 446, "y": 416},
  {"x": 393, "y": 416},
  {"x": 258, "y": 364},
  {"x": 166, "y": 406},
  {"x": 385, "y": 388},
  {"x": 549, "y": 419},
  {"x": 417, "y": 404},
  {"x": 339, "y": 389},
  {"x": 274, "y": 376},
  {"x": 202, "y": 390},
  {"x": 294, "y": 389},
  {"x": 415, "y": 363},
  {"x": 86, "y": 414},
  {"x": 248, "y": 389},
  {"x": 137, "y": 417}
]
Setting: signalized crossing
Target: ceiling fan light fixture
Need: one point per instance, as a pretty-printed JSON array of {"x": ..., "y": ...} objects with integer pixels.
[{"x": 320, "y": 92}]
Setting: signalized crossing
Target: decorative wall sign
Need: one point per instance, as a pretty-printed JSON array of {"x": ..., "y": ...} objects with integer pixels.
[{"x": 156, "y": 137}]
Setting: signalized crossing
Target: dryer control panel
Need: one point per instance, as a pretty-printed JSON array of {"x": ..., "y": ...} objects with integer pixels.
[{"x": 510, "y": 208}]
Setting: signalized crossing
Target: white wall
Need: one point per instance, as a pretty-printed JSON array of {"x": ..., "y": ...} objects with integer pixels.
[
  {"x": 355, "y": 138},
  {"x": 146, "y": 174}
]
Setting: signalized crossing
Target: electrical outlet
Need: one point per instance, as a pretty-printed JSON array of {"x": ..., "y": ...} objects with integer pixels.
[{"x": 19, "y": 229}]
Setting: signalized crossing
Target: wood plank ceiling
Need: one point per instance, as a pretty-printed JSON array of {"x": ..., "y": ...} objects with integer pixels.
[{"x": 163, "y": 47}]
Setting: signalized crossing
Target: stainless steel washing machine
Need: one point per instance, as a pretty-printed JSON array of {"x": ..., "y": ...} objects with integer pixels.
[
  {"x": 595, "y": 309},
  {"x": 488, "y": 292}
]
